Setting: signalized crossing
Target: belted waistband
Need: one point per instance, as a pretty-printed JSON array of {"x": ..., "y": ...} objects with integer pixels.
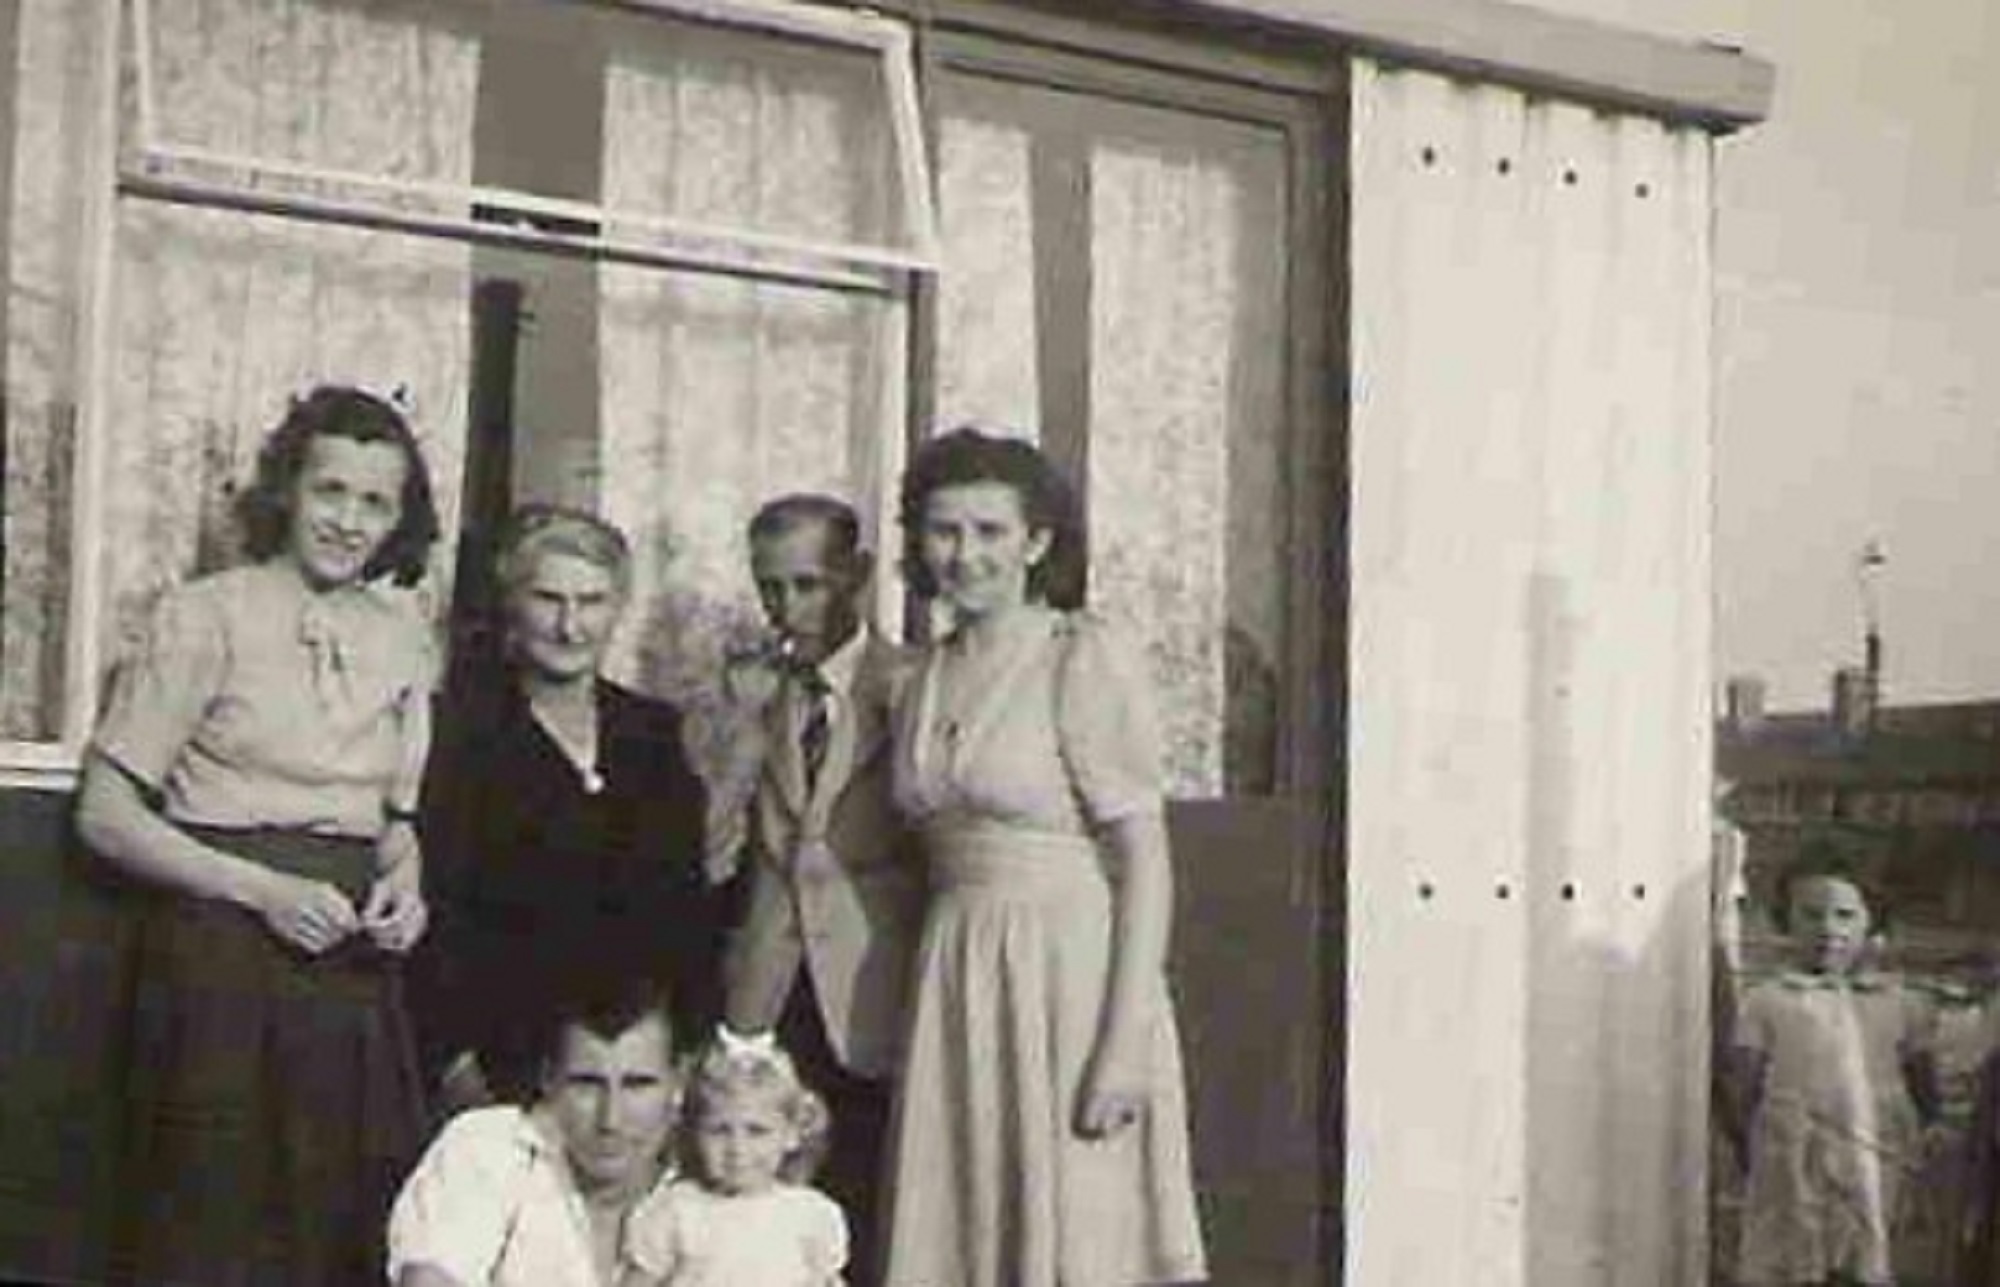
[{"x": 1014, "y": 858}]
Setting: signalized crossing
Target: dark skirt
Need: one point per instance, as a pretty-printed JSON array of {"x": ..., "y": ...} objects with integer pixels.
[{"x": 273, "y": 1099}]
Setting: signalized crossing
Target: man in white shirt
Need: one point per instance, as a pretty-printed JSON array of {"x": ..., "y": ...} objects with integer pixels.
[
  {"x": 822, "y": 959},
  {"x": 541, "y": 1196}
]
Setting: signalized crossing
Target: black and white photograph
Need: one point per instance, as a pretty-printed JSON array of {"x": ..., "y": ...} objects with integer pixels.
[{"x": 999, "y": 643}]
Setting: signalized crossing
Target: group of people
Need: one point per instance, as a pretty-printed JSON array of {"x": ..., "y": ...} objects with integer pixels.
[{"x": 366, "y": 910}]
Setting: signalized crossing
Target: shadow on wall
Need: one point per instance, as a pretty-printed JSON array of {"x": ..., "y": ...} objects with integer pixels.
[
  {"x": 1617, "y": 927},
  {"x": 1616, "y": 1132}
]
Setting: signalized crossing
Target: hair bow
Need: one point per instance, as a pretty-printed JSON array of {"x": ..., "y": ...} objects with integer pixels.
[{"x": 760, "y": 1051}]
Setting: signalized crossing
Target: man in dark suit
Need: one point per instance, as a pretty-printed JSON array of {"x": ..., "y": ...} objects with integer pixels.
[{"x": 822, "y": 958}]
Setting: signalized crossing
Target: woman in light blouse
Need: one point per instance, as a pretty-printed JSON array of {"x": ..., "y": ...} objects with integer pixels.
[{"x": 257, "y": 770}]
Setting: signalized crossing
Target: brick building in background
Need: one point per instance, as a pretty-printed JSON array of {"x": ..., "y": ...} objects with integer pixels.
[{"x": 1913, "y": 792}]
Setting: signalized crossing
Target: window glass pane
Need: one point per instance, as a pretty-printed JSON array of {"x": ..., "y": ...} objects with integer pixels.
[
  {"x": 987, "y": 347},
  {"x": 712, "y": 99},
  {"x": 1186, "y": 411},
  {"x": 43, "y": 224},
  {"x": 331, "y": 85},
  {"x": 721, "y": 393},
  {"x": 726, "y": 127},
  {"x": 1153, "y": 241},
  {"x": 727, "y": 394},
  {"x": 222, "y": 317}
]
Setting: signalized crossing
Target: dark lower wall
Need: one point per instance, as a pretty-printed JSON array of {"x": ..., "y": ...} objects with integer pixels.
[{"x": 62, "y": 989}]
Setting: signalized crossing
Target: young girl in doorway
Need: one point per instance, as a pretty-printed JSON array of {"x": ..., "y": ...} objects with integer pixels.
[
  {"x": 745, "y": 1215},
  {"x": 1831, "y": 1079}
]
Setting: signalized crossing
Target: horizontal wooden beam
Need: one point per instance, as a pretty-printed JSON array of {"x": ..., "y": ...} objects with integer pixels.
[
  {"x": 1712, "y": 85},
  {"x": 1289, "y": 46},
  {"x": 587, "y": 243}
]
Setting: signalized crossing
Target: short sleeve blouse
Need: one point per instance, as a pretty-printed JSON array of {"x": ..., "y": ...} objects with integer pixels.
[
  {"x": 254, "y": 701},
  {"x": 1108, "y": 730},
  {"x": 1062, "y": 738}
]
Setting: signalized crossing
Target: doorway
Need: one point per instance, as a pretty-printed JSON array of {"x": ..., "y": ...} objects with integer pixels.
[{"x": 1137, "y": 269}]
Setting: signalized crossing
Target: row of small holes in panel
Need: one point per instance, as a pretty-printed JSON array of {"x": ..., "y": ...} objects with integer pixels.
[
  {"x": 1505, "y": 166},
  {"x": 1569, "y": 891}
]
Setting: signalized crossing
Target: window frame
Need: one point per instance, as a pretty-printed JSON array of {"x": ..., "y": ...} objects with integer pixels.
[
  {"x": 717, "y": 247},
  {"x": 1302, "y": 93},
  {"x": 1303, "y": 98},
  {"x": 1122, "y": 52},
  {"x": 56, "y": 764}
]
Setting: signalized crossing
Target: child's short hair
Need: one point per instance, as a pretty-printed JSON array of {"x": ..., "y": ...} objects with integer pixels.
[
  {"x": 722, "y": 1073},
  {"x": 1822, "y": 858}
]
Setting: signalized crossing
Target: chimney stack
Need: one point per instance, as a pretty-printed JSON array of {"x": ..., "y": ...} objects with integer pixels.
[
  {"x": 1873, "y": 646},
  {"x": 1743, "y": 704},
  {"x": 1855, "y": 714},
  {"x": 1854, "y": 694}
]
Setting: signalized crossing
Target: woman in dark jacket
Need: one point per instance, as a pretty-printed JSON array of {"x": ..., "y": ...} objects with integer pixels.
[{"x": 564, "y": 824}]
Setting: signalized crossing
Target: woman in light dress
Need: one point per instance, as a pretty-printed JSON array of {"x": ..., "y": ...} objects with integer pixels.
[{"x": 1040, "y": 1136}]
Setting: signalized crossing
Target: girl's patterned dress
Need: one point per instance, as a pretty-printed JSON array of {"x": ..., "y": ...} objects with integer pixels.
[{"x": 1835, "y": 1130}]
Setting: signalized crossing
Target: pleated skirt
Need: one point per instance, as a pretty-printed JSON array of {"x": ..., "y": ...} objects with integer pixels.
[
  {"x": 990, "y": 1186},
  {"x": 273, "y": 1099}
]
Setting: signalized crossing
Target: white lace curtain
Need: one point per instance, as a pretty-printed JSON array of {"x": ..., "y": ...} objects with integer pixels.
[
  {"x": 721, "y": 393},
  {"x": 44, "y": 227},
  {"x": 224, "y": 317},
  {"x": 1185, "y": 382}
]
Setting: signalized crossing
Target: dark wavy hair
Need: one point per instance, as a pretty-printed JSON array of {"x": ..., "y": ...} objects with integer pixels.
[
  {"x": 969, "y": 454},
  {"x": 606, "y": 1005},
  {"x": 1823, "y": 858},
  {"x": 264, "y": 509}
]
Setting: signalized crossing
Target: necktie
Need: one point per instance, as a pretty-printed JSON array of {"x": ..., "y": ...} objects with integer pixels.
[{"x": 815, "y": 729}]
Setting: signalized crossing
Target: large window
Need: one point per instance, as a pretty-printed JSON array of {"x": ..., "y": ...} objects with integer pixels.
[
  {"x": 666, "y": 258},
  {"x": 47, "y": 120},
  {"x": 711, "y": 221},
  {"x": 715, "y": 229}
]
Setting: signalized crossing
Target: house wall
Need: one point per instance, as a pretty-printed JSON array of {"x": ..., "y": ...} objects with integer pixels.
[
  {"x": 1528, "y": 778},
  {"x": 1527, "y": 735},
  {"x": 61, "y": 1001}
]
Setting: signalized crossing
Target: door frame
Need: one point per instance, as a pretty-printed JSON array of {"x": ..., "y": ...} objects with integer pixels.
[{"x": 1303, "y": 94}]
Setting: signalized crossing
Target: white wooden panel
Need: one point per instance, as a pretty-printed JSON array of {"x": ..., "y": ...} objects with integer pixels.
[{"x": 1530, "y": 661}]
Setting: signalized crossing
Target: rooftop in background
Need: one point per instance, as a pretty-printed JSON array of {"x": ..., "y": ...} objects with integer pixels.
[{"x": 1933, "y": 744}]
